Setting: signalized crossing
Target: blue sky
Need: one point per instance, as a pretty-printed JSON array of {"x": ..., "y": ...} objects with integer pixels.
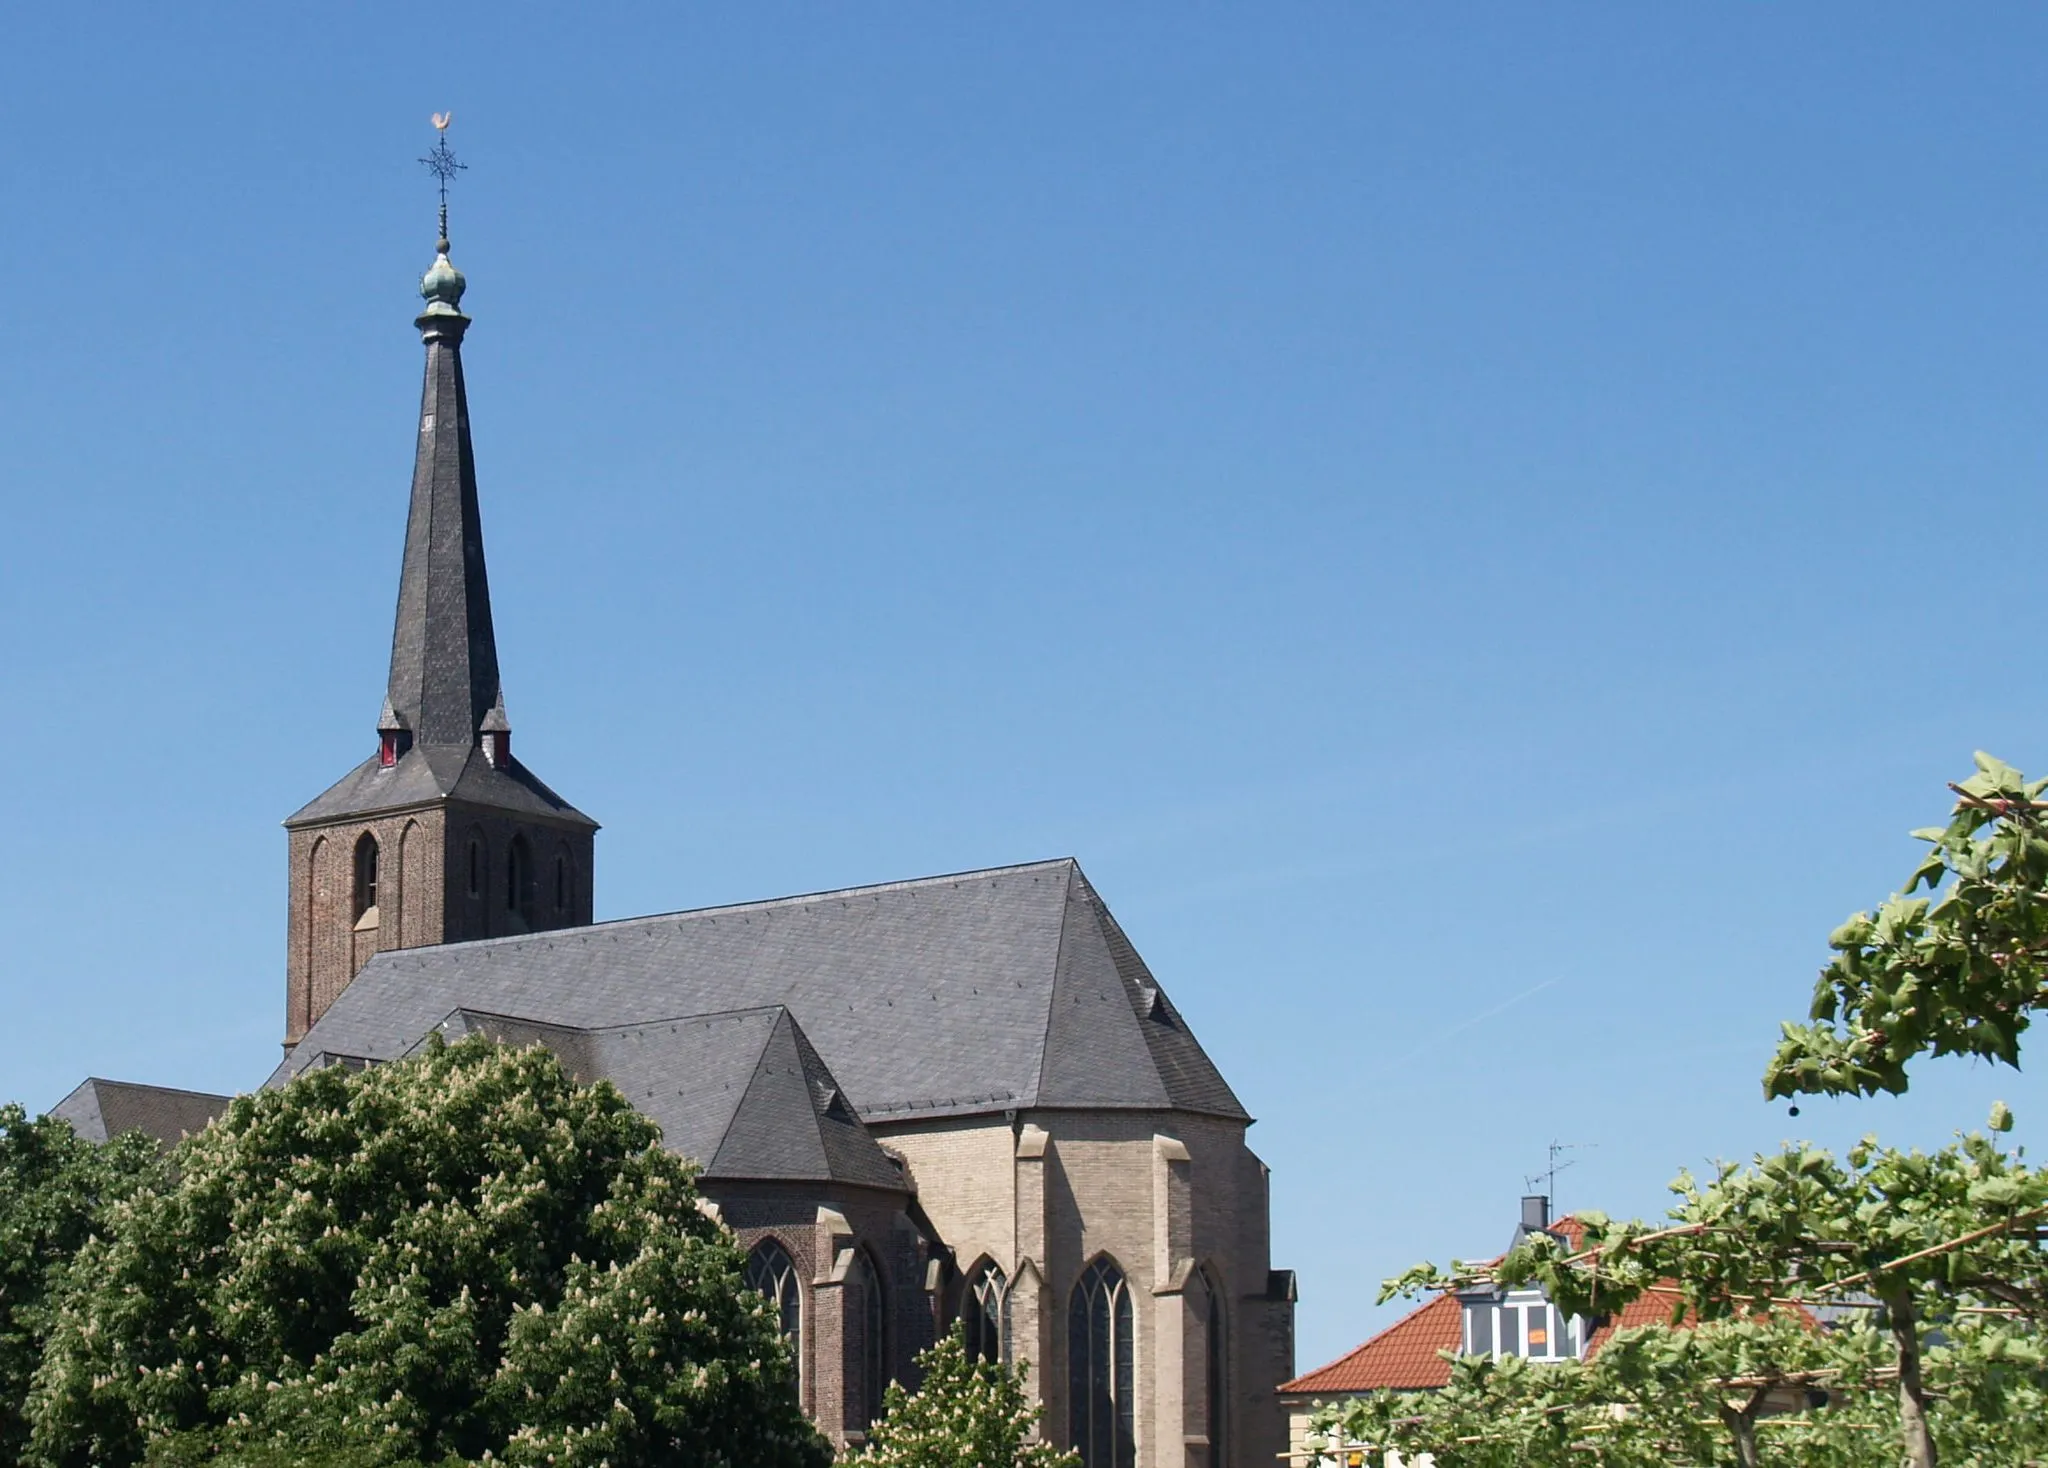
[{"x": 1481, "y": 526}]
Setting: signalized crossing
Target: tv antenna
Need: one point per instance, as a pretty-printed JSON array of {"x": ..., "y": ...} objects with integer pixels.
[{"x": 1548, "y": 1177}]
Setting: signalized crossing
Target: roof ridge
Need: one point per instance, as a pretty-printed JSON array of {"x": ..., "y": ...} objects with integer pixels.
[
  {"x": 793, "y": 899},
  {"x": 1052, "y": 990},
  {"x": 631, "y": 1024},
  {"x": 172, "y": 1090},
  {"x": 746, "y": 1094}
]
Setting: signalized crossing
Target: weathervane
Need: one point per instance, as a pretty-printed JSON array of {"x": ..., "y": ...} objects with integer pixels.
[{"x": 441, "y": 163}]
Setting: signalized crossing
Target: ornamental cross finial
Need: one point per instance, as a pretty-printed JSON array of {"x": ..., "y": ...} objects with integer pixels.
[{"x": 441, "y": 163}]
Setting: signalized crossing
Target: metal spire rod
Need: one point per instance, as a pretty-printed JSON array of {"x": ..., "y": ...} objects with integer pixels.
[{"x": 443, "y": 165}]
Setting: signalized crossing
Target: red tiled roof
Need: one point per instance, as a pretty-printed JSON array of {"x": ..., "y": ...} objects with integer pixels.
[
  {"x": 1403, "y": 1357},
  {"x": 1406, "y": 1355}
]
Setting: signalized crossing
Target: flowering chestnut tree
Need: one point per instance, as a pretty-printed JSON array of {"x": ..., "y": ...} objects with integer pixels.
[
  {"x": 52, "y": 1183},
  {"x": 966, "y": 1414},
  {"x": 458, "y": 1255}
]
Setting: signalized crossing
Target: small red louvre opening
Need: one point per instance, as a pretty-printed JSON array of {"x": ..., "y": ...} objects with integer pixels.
[{"x": 387, "y": 748}]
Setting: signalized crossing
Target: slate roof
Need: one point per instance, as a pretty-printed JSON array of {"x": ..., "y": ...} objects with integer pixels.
[
  {"x": 101, "y": 1110},
  {"x": 444, "y": 652},
  {"x": 743, "y": 1093},
  {"x": 444, "y": 686},
  {"x": 429, "y": 773},
  {"x": 956, "y": 995}
]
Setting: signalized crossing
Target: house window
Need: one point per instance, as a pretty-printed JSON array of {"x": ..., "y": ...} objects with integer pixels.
[
  {"x": 771, "y": 1271},
  {"x": 1479, "y": 1329},
  {"x": 867, "y": 1354},
  {"x": 366, "y": 874},
  {"x": 985, "y": 1314},
  {"x": 1524, "y": 1325},
  {"x": 1101, "y": 1390}
]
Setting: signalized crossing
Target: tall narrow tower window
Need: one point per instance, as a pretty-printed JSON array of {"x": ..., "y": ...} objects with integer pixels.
[
  {"x": 561, "y": 883},
  {"x": 476, "y": 866},
  {"x": 517, "y": 861},
  {"x": 366, "y": 874}
]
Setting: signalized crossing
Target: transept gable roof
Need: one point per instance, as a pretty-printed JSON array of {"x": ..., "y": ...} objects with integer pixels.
[
  {"x": 742, "y": 1093},
  {"x": 956, "y": 995}
]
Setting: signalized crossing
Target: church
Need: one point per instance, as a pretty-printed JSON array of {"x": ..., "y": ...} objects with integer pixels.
[{"x": 955, "y": 1099}]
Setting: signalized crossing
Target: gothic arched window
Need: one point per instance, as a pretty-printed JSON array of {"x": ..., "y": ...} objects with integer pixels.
[
  {"x": 771, "y": 1271},
  {"x": 985, "y": 1314},
  {"x": 1101, "y": 1391},
  {"x": 476, "y": 865},
  {"x": 1217, "y": 1342},
  {"x": 518, "y": 864},
  {"x": 366, "y": 874},
  {"x": 867, "y": 1354}
]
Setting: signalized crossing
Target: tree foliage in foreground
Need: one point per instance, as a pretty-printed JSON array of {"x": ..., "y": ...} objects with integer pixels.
[
  {"x": 1929, "y": 1237},
  {"x": 1679, "y": 1396},
  {"x": 1956, "y": 964},
  {"x": 459, "y": 1254},
  {"x": 1945, "y": 1249},
  {"x": 52, "y": 1182},
  {"x": 967, "y": 1414}
]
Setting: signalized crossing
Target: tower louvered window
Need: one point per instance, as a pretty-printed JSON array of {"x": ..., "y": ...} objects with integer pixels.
[
  {"x": 366, "y": 875},
  {"x": 985, "y": 1314},
  {"x": 517, "y": 861},
  {"x": 1101, "y": 1386}
]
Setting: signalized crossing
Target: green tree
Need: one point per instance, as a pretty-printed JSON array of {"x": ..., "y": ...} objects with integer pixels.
[
  {"x": 459, "y": 1254},
  {"x": 967, "y": 1414},
  {"x": 1959, "y": 969},
  {"x": 52, "y": 1183},
  {"x": 1930, "y": 1237}
]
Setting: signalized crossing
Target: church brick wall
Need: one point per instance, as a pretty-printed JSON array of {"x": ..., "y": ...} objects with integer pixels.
[
  {"x": 818, "y": 1226},
  {"x": 423, "y": 893}
]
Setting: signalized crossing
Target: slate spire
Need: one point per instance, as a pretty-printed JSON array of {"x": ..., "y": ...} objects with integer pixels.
[{"x": 444, "y": 654}]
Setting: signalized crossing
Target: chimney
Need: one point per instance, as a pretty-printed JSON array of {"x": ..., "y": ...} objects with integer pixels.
[{"x": 1536, "y": 1211}]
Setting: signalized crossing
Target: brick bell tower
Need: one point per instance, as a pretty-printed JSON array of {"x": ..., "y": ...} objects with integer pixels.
[{"x": 441, "y": 835}]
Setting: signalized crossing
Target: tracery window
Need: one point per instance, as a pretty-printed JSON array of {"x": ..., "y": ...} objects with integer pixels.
[
  {"x": 1101, "y": 1391},
  {"x": 771, "y": 1271},
  {"x": 366, "y": 874},
  {"x": 985, "y": 1313},
  {"x": 867, "y": 1354}
]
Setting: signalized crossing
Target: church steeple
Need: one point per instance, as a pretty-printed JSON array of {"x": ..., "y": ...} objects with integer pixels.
[
  {"x": 441, "y": 835},
  {"x": 444, "y": 652}
]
